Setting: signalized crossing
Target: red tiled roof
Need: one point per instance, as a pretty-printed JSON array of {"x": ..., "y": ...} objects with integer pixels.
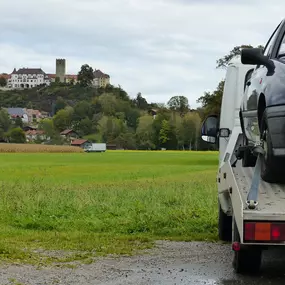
[
  {"x": 71, "y": 76},
  {"x": 51, "y": 75},
  {"x": 33, "y": 112},
  {"x": 66, "y": 132},
  {"x": 79, "y": 142},
  {"x": 6, "y": 76},
  {"x": 68, "y": 76},
  {"x": 35, "y": 132}
]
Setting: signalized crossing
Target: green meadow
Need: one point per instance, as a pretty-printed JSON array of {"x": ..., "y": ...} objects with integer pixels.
[{"x": 104, "y": 203}]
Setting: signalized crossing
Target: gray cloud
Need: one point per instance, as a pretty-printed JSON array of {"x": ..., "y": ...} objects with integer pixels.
[{"x": 160, "y": 48}]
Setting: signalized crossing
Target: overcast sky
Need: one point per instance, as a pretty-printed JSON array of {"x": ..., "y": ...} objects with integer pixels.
[{"x": 160, "y": 48}]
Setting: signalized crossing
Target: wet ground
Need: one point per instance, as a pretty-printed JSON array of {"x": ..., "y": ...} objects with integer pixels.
[{"x": 169, "y": 263}]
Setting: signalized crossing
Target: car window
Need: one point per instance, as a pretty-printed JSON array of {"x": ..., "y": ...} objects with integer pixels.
[
  {"x": 247, "y": 77},
  {"x": 269, "y": 45},
  {"x": 281, "y": 51}
]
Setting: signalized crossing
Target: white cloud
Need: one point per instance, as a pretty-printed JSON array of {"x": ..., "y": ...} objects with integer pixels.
[{"x": 158, "y": 47}]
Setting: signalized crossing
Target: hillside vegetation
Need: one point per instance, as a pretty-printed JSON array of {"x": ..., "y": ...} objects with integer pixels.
[{"x": 107, "y": 115}]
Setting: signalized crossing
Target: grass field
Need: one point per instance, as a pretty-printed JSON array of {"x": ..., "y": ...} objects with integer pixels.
[{"x": 113, "y": 202}]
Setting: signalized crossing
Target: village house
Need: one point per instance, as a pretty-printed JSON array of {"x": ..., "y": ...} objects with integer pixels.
[
  {"x": 27, "y": 115},
  {"x": 35, "y": 115},
  {"x": 18, "y": 113},
  {"x": 81, "y": 143},
  {"x": 153, "y": 112},
  {"x": 32, "y": 135},
  {"x": 69, "y": 134}
]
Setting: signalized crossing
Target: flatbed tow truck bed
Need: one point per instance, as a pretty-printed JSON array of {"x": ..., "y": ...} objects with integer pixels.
[
  {"x": 271, "y": 197},
  {"x": 234, "y": 184},
  {"x": 251, "y": 211}
]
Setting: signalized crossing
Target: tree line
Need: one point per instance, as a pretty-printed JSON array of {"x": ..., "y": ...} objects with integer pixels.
[{"x": 109, "y": 115}]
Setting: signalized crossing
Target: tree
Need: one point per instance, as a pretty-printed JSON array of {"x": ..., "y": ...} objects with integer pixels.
[
  {"x": 5, "y": 122},
  {"x": 211, "y": 102},
  {"x": 145, "y": 133},
  {"x": 236, "y": 51},
  {"x": 47, "y": 126},
  {"x": 110, "y": 128},
  {"x": 59, "y": 104},
  {"x": 191, "y": 128},
  {"x": 126, "y": 141},
  {"x": 63, "y": 119},
  {"x": 16, "y": 135},
  {"x": 164, "y": 132},
  {"x": 132, "y": 116},
  {"x": 82, "y": 110},
  {"x": 18, "y": 122},
  {"x": 108, "y": 104},
  {"x": 85, "y": 127},
  {"x": 141, "y": 102},
  {"x": 179, "y": 104},
  {"x": 85, "y": 75},
  {"x": 3, "y": 81}
]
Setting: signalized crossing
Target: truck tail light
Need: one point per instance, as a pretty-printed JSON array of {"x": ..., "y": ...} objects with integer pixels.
[{"x": 264, "y": 232}]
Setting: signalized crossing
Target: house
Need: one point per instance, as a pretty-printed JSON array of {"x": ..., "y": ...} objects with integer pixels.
[
  {"x": 34, "y": 115},
  {"x": 27, "y": 78},
  {"x": 69, "y": 134},
  {"x": 153, "y": 112},
  {"x": 32, "y": 135},
  {"x": 100, "y": 79},
  {"x": 80, "y": 143},
  {"x": 29, "y": 128},
  {"x": 18, "y": 112}
]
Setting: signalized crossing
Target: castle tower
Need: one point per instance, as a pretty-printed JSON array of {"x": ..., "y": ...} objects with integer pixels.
[{"x": 60, "y": 69}]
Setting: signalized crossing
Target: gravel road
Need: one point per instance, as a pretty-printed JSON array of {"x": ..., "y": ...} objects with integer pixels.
[{"x": 169, "y": 263}]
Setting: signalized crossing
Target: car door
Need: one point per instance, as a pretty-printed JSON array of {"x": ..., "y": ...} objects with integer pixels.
[{"x": 252, "y": 93}]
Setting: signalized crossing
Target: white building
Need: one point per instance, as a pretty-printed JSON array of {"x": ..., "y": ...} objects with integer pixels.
[{"x": 28, "y": 78}]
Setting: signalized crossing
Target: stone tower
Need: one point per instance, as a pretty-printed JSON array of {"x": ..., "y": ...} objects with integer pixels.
[{"x": 60, "y": 69}]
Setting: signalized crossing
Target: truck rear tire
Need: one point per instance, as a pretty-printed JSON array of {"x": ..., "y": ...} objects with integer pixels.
[
  {"x": 225, "y": 226},
  {"x": 248, "y": 259}
]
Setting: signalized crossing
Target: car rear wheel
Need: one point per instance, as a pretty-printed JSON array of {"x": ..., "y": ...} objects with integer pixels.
[{"x": 271, "y": 167}]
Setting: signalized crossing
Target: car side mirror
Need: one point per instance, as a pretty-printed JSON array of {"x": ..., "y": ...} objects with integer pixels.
[
  {"x": 209, "y": 130},
  {"x": 254, "y": 56}
]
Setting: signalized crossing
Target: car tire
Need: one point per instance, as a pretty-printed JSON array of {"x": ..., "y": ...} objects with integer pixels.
[{"x": 271, "y": 167}]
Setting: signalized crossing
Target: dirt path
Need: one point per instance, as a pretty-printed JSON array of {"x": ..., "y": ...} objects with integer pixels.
[{"x": 169, "y": 263}]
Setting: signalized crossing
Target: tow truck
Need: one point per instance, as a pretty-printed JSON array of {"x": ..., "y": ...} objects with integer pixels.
[{"x": 251, "y": 211}]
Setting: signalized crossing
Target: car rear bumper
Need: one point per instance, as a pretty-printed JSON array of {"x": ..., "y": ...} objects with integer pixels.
[{"x": 276, "y": 127}]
